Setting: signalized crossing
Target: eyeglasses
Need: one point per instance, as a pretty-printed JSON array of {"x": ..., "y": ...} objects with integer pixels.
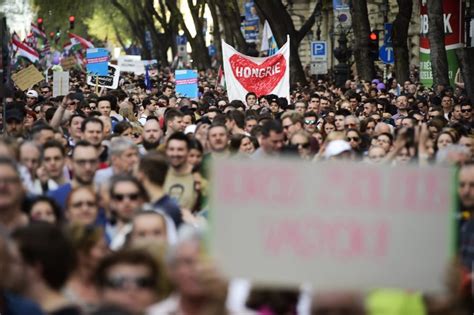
[
  {"x": 302, "y": 145},
  {"x": 84, "y": 162},
  {"x": 121, "y": 197},
  {"x": 83, "y": 203},
  {"x": 355, "y": 139},
  {"x": 122, "y": 282},
  {"x": 309, "y": 121},
  {"x": 136, "y": 135},
  {"x": 466, "y": 110}
]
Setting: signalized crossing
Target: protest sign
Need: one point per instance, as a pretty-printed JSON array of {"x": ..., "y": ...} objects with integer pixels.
[
  {"x": 338, "y": 226},
  {"x": 131, "y": 63},
  {"x": 97, "y": 61},
  {"x": 27, "y": 77},
  {"x": 263, "y": 76},
  {"x": 109, "y": 81},
  {"x": 186, "y": 83},
  {"x": 60, "y": 83},
  {"x": 68, "y": 63}
]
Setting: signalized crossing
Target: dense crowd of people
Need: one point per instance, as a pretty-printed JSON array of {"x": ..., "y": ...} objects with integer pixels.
[{"x": 104, "y": 193}]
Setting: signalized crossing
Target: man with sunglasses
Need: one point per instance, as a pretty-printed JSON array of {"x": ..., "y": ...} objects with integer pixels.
[
  {"x": 310, "y": 122},
  {"x": 127, "y": 196},
  {"x": 46, "y": 91},
  {"x": 129, "y": 279}
]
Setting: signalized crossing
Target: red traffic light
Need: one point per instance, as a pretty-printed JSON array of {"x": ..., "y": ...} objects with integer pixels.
[
  {"x": 373, "y": 36},
  {"x": 72, "y": 18},
  {"x": 40, "y": 21}
]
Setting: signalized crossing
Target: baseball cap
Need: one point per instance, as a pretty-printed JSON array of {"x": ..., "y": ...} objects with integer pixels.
[
  {"x": 336, "y": 147},
  {"x": 32, "y": 93},
  {"x": 14, "y": 114},
  {"x": 190, "y": 129}
]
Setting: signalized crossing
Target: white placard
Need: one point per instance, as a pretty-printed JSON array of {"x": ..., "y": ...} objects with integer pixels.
[
  {"x": 131, "y": 63},
  {"x": 60, "y": 83}
]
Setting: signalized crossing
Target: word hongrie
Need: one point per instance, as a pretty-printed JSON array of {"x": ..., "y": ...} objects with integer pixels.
[{"x": 248, "y": 72}]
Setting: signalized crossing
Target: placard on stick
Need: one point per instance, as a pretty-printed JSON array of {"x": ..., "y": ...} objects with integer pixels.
[
  {"x": 338, "y": 226},
  {"x": 60, "y": 83},
  {"x": 68, "y": 63},
  {"x": 109, "y": 81},
  {"x": 27, "y": 77}
]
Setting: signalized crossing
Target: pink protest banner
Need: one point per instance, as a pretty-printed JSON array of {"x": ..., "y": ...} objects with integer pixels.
[{"x": 337, "y": 226}]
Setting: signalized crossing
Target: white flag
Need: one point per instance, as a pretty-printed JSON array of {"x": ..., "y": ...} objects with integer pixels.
[
  {"x": 267, "y": 34},
  {"x": 263, "y": 76}
]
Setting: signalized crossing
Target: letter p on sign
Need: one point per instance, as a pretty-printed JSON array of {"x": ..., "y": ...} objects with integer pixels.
[{"x": 319, "y": 51}]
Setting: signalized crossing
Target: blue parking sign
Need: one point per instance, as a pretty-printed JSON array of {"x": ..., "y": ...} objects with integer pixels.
[{"x": 319, "y": 50}]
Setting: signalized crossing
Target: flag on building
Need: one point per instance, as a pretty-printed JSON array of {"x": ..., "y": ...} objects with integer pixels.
[
  {"x": 25, "y": 51},
  {"x": 76, "y": 39},
  {"x": 263, "y": 76}
]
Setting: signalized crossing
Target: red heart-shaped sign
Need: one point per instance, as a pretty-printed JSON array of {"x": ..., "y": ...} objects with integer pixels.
[{"x": 262, "y": 78}]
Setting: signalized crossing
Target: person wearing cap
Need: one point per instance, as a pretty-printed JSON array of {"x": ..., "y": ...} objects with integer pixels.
[
  {"x": 338, "y": 150},
  {"x": 31, "y": 98},
  {"x": 14, "y": 118}
]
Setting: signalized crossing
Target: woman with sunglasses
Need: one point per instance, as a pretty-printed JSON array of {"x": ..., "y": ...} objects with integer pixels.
[
  {"x": 355, "y": 140},
  {"x": 306, "y": 145}
]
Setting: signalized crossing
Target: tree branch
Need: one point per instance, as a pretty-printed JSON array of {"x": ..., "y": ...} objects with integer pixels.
[{"x": 309, "y": 22}]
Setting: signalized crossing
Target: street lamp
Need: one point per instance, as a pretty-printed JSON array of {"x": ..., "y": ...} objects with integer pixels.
[{"x": 343, "y": 53}]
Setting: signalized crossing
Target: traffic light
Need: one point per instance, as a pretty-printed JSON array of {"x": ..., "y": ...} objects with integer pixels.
[
  {"x": 374, "y": 46},
  {"x": 40, "y": 23},
  {"x": 71, "y": 22}
]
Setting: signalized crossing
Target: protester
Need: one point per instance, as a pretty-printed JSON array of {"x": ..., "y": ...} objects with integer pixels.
[{"x": 49, "y": 260}]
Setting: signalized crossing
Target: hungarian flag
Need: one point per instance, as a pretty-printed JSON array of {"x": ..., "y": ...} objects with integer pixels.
[
  {"x": 46, "y": 49},
  {"x": 263, "y": 76},
  {"x": 25, "y": 51},
  {"x": 31, "y": 41},
  {"x": 76, "y": 39},
  {"x": 36, "y": 30}
]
